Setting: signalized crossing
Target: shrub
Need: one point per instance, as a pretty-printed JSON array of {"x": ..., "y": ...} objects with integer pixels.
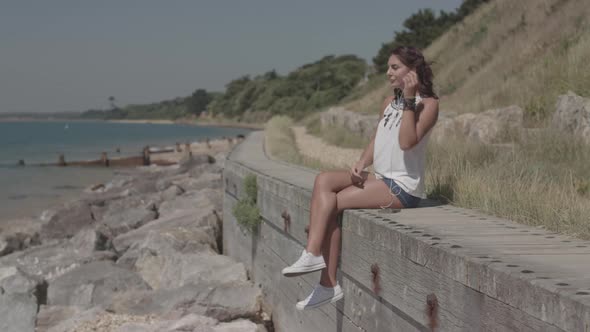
[{"x": 246, "y": 211}]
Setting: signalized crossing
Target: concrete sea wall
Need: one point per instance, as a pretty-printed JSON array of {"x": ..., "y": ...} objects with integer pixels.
[{"x": 436, "y": 266}]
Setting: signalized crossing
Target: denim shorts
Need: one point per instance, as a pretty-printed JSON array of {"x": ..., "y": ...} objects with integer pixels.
[{"x": 407, "y": 200}]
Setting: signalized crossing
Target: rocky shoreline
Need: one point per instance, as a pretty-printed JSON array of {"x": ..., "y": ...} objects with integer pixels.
[{"x": 140, "y": 253}]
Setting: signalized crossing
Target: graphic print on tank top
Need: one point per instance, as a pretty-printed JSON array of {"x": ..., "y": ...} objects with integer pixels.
[{"x": 395, "y": 111}]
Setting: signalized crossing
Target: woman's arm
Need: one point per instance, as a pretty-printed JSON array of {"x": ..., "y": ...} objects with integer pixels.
[
  {"x": 416, "y": 120},
  {"x": 415, "y": 124}
]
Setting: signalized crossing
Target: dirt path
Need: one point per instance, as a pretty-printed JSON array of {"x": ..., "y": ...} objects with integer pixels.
[{"x": 314, "y": 147}]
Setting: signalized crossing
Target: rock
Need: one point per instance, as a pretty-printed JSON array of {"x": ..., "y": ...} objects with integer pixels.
[
  {"x": 121, "y": 220},
  {"x": 171, "y": 192},
  {"x": 50, "y": 316},
  {"x": 444, "y": 129},
  {"x": 191, "y": 322},
  {"x": 189, "y": 163},
  {"x": 196, "y": 172},
  {"x": 164, "y": 183},
  {"x": 92, "y": 284},
  {"x": 239, "y": 325},
  {"x": 202, "y": 223},
  {"x": 89, "y": 240},
  {"x": 77, "y": 321},
  {"x": 482, "y": 129},
  {"x": 209, "y": 199},
  {"x": 67, "y": 221},
  {"x": 17, "y": 312},
  {"x": 19, "y": 234},
  {"x": 220, "y": 159},
  {"x": 173, "y": 240},
  {"x": 205, "y": 180},
  {"x": 572, "y": 115},
  {"x": 363, "y": 124},
  {"x": 221, "y": 301},
  {"x": 51, "y": 260},
  {"x": 165, "y": 270},
  {"x": 14, "y": 280},
  {"x": 492, "y": 126}
]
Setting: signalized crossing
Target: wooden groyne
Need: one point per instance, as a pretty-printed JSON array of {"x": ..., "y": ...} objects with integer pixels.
[{"x": 149, "y": 155}]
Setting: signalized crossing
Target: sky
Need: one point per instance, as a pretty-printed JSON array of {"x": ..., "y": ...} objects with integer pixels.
[{"x": 71, "y": 55}]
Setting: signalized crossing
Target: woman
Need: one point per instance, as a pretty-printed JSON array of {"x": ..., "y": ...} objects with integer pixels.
[{"x": 397, "y": 152}]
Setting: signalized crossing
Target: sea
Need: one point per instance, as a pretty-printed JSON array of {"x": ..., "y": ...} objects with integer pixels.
[{"x": 26, "y": 191}]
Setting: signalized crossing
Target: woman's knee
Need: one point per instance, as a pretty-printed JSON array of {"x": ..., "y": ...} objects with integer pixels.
[{"x": 326, "y": 181}]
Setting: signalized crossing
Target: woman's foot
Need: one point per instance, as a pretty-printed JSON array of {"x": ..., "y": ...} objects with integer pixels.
[
  {"x": 305, "y": 264},
  {"x": 319, "y": 296}
]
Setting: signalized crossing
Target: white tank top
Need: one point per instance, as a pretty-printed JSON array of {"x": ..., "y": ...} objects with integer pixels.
[{"x": 406, "y": 168}]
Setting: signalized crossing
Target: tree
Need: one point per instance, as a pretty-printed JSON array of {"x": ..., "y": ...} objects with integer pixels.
[
  {"x": 198, "y": 101},
  {"x": 112, "y": 103}
]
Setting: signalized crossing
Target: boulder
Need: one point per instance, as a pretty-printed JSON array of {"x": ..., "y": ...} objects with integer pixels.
[
  {"x": 19, "y": 234},
  {"x": 125, "y": 215},
  {"x": 171, "y": 193},
  {"x": 67, "y": 221},
  {"x": 220, "y": 301},
  {"x": 204, "y": 180},
  {"x": 239, "y": 325},
  {"x": 164, "y": 183},
  {"x": 444, "y": 129},
  {"x": 208, "y": 199},
  {"x": 492, "y": 126},
  {"x": 166, "y": 270},
  {"x": 53, "y": 259},
  {"x": 78, "y": 319},
  {"x": 201, "y": 223},
  {"x": 92, "y": 284},
  {"x": 89, "y": 240},
  {"x": 363, "y": 124},
  {"x": 196, "y": 172},
  {"x": 173, "y": 240},
  {"x": 17, "y": 312},
  {"x": 14, "y": 280},
  {"x": 50, "y": 316},
  {"x": 187, "y": 164},
  {"x": 191, "y": 322},
  {"x": 572, "y": 115}
]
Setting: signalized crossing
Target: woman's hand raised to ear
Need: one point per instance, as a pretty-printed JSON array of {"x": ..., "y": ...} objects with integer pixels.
[{"x": 410, "y": 84}]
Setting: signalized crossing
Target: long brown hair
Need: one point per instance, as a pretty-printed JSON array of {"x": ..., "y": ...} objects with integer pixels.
[{"x": 413, "y": 58}]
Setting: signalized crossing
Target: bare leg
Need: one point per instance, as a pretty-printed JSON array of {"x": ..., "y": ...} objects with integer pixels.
[
  {"x": 331, "y": 251},
  {"x": 373, "y": 194},
  {"x": 323, "y": 206}
]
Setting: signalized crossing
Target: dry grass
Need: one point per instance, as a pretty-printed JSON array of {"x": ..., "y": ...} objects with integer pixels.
[
  {"x": 514, "y": 52},
  {"x": 507, "y": 52},
  {"x": 334, "y": 135},
  {"x": 280, "y": 143},
  {"x": 543, "y": 181}
]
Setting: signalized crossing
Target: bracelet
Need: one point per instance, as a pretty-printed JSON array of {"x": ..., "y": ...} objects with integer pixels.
[{"x": 409, "y": 104}]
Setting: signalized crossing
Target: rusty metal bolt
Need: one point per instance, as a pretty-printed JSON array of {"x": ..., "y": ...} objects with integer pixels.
[
  {"x": 286, "y": 221},
  {"x": 376, "y": 279},
  {"x": 432, "y": 311}
]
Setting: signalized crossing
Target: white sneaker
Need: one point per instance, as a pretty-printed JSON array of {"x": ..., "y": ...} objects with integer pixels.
[
  {"x": 319, "y": 296},
  {"x": 305, "y": 264}
]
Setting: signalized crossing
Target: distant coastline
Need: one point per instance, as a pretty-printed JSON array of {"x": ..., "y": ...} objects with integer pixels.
[{"x": 228, "y": 124}]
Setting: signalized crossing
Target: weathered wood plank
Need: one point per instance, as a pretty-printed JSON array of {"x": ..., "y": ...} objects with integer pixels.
[{"x": 406, "y": 285}]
